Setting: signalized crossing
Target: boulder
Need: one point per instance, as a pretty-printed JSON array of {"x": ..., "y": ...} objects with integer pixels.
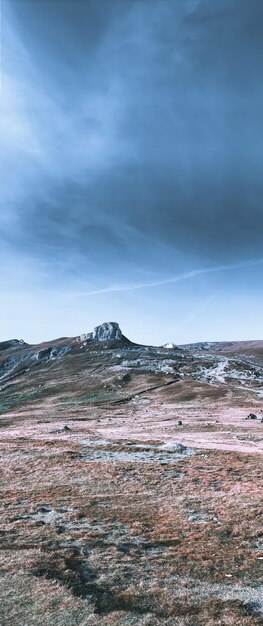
[
  {"x": 84, "y": 337},
  {"x": 107, "y": 332},
  {"x": 173, "y": 447},
  {"x": 251, "y": 416}
]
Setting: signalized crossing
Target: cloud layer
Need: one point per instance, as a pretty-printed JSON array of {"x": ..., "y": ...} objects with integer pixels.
[{"x": 132, "y": 139}]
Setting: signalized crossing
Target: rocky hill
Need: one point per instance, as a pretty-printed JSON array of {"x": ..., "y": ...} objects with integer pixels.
[
  {"x": 131, "y": 482},
  {"x": 106, "y": 367}
]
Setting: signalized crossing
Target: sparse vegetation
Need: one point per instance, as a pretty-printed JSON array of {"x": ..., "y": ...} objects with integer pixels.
[{"x": 143, "y": 537}]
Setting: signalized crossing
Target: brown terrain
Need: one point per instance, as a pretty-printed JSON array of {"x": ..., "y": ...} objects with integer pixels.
[{"x": 131, "y": 483}]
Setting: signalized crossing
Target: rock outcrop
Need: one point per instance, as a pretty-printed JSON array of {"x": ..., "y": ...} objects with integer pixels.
[
  {"x": 12, "y": 343},
  {"x": 84, "y": 337},
  {"x": 107, "y": 332}
]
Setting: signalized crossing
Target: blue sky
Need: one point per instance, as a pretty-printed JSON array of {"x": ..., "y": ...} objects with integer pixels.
[{"x": 131, "y": 168}]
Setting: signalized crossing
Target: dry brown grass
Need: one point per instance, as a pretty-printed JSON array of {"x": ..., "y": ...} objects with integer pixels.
[
  {"x": 119, "y": 543},
  {"x": 128, "y": 543}
]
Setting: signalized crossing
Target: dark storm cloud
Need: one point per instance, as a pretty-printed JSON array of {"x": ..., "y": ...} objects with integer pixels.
[{"x": 140, "y": 121}]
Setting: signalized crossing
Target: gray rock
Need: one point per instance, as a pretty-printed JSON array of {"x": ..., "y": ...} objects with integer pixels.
[
  {"x": 199, "y": 518},
  {"x": 84, "y": 337},
  {"x": 107, "y": 332},
  {"x": 123, "y": 547},
  {"x": 11, "y": 343},
  {"x": 45, "y": 508},
  {"x": 173, "y": 447}
]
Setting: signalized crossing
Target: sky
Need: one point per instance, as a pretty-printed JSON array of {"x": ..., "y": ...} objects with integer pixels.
[{"x": 131, "y": 158}]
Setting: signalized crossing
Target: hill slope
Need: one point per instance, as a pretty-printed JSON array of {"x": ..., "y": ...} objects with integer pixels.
[{"x": 131, "y": 483}]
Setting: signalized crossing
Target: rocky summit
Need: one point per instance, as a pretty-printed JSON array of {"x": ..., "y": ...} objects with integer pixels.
[{"x": 107, "y": 331}]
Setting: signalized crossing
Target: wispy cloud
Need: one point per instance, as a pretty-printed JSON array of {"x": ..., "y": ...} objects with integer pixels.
[
  {"x": 124, "y": 158},
  {"x": 197, "y": 311},
  {"x": 172, "y": 279},
  {"x": 105, "y": 118}
]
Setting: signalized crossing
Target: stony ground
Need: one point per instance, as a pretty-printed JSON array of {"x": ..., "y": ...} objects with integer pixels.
[
  {"x": 105, "y": 524},
  {"x": 129, "y": 498}
]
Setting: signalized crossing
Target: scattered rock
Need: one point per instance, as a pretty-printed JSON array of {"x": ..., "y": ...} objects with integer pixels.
[
  {"x": 199, "y": 518},
  {"x": 168, "y": 453},
  {"x": 46, "y": 508},
  {"x": 173, "y": 447},
  {"x": 107, "y": 332},
  {"x": 251, "y": 416},
  {"x": 123, "y": 547},
  {"x": 61, "y": 529}
]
